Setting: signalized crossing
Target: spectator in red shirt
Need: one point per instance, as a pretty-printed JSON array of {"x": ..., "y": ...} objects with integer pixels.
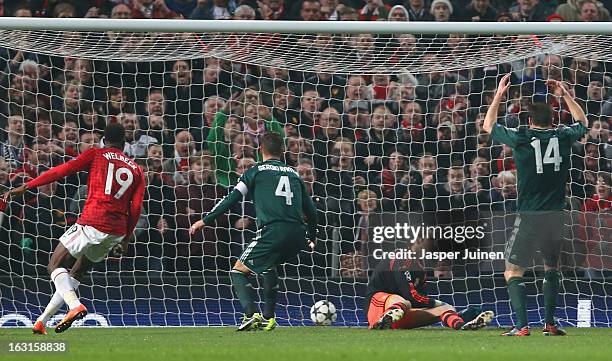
[
  {"x": 596, "y": 225},
  {"x": 178, "y": 166}
]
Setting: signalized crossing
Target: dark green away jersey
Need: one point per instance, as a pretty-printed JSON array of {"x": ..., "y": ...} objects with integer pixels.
[
  {"x": 542, "y": 158},
  {"x": 278, "y": 192}
]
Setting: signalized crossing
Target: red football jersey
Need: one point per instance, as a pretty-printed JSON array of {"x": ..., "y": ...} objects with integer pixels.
[{"x": 115, "y": 189}]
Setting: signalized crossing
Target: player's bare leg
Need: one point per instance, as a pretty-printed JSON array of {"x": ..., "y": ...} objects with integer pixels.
[
  {"x": 60, "y": 276},
  {"x": 518, "y": 299},
  {"x": 240, "y": 280},
  {"x": 395, "y": 308},
  {"x": 551, "y": 290}
]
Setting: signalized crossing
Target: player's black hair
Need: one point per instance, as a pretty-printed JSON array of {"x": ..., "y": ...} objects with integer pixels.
[
  {"x": 273, "y": 145},
  {"x": 114, "y": 135},
  {"x": 541, "y": 114}
]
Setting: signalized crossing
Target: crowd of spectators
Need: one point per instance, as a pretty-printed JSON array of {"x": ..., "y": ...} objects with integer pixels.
[
  {"x": 364, "y": 144},
  {"x": 315, "y": 10}
]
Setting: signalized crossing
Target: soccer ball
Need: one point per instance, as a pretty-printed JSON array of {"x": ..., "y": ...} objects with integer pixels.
[{"x": 323, "y": 313}]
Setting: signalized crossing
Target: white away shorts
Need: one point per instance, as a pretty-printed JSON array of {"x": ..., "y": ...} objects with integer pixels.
[{"x": 87, "y": 241}]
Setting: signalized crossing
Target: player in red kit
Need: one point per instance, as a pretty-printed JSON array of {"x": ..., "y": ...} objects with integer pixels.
[{"x": 115, "y": 194}]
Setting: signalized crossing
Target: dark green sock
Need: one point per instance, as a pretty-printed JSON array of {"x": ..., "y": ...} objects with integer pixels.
[
  {"x": 551, "y": 290},
  {"x": 244, "y": 291},
  {"x": 518, "y": 299},
  {"x": 270, "y": 290}
]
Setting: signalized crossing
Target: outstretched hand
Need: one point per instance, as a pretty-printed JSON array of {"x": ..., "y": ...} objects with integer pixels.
[
  {"x": 14, "y": 192},
  {"x": 560, "y": 88},
  {"x": 196, "y": 227},
  {"x": 503, "y": 86}
]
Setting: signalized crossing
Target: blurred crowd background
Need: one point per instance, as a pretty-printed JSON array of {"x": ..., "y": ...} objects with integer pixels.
[{"x": 365, "y": 144}]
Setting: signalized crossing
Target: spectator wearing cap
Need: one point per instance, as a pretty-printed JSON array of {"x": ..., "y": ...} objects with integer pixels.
[
  {"x": 572, "y": 10},
  {"x": 479, "y": 10},
  {"x": 555, "y": 18},
  {"x": 373, "y": 11},
  {"x": 398, "y": 13},
  {"x": 442, "y": 10}
]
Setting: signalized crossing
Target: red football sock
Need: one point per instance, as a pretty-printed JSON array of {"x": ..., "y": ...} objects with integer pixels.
[{"x": 452, "y": 319}]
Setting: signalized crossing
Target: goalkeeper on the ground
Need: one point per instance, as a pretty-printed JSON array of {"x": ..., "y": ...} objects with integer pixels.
[{"x": 396, "y": 299}]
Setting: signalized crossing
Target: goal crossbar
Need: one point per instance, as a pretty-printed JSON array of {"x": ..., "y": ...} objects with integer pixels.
[{"x": 305, "y": 27}]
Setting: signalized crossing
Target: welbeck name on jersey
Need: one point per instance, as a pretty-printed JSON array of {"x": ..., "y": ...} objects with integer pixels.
[{"x": 121, "y": 157}]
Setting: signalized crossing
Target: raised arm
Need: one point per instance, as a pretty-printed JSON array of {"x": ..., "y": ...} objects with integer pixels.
[
  {"x": 82, "y": 162},
  {"x": 574, "y": 108},
  {"x": 491, "y": 117}
]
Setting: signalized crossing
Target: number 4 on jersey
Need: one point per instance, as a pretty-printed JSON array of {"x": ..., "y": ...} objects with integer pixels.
[
  {"x": 283, "y": 189},
  {"x": 124, "y": 183},
  {"x": 551, "y": 155}
]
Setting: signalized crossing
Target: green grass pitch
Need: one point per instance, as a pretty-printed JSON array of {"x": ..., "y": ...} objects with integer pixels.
[{"x": 313, "y": 343}]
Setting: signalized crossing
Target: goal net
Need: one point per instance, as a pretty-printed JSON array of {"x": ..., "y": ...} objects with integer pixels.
[{"x": 385, "y": 129}]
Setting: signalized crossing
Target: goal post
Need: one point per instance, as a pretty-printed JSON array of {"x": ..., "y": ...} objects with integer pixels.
[{"x": 382, "y": 119}]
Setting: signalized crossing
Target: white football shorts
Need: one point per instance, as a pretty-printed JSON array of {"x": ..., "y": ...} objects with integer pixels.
[{"x": 87, "y": 241}]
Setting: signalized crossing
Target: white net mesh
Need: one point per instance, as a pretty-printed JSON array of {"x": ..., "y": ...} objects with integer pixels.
[{"x": 364, "y": 116}]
